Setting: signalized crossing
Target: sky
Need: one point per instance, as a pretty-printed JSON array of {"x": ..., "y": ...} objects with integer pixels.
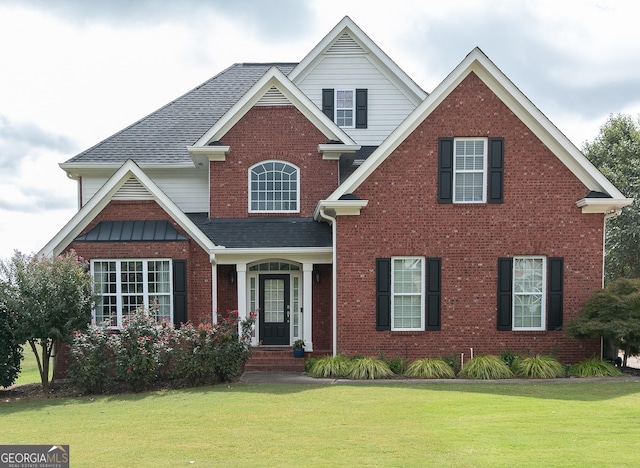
[{"x": 74, "y": 72}]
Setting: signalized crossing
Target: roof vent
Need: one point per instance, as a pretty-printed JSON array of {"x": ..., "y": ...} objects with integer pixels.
[{"x": 345, "y": 45}]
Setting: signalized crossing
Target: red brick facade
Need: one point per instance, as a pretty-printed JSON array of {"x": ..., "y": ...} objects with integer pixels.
[
  {"x": 268, "y": 133},
  {"x": 403, "y": 218},
  {"x": 199, "y": 303},
  {"x": 538, "y": 216}
]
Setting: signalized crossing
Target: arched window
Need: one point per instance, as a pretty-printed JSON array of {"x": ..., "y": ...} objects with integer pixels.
[{"x": 274, "y": 187}]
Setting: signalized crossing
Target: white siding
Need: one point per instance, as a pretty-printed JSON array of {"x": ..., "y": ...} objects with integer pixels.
[
  {"x": 387, "y": 105},
  {"x": 188, "y": 188}
]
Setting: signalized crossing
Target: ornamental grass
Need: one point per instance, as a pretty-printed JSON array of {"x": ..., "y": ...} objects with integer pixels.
[
  {"x": 486, "y": 367},
  {"x": 430, "y": 368}
]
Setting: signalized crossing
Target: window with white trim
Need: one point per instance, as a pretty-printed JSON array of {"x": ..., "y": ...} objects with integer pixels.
[
  {"x": 345, "y": 108},
  {"x": 469, "y": 170},
  {"x": 529, "y": 296},
  {"x": 122, "y": 286},
  {"x": 274, "y": 187},
  {"x": 407, "y": 293}
]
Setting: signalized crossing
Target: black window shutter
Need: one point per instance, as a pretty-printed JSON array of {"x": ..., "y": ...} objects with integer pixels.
[
  {"x": 361, "y": 108},
  {"x": 327, "y": 103},
  {"x": 496, "y": 170},
  {"x": 179, "y": 292},
  {"x": 383, "y": 294},
  {"x": 555, "y": 286},
  {"x": 505, "y": 280},
  {"x": 433, "y": 293},
  {"x": 445, "y": 170}
]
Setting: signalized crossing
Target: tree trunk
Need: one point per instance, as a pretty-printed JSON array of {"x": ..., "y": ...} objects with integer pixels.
[{"x": 43, "y": 363}]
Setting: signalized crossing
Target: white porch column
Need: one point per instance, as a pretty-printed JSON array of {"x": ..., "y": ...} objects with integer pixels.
[
  {"x": 214, "y": 291},
  {"x": 241, "y": 281},
  {"x": 307, "y": 306}
]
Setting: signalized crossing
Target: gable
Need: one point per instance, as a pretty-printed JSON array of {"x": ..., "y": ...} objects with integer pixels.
[
  {"x": 346, "y": 60},
  {"x": 272, "y": 89},
  {"x": 478, "y": 64},
  {"x": 137, "y": 186}
]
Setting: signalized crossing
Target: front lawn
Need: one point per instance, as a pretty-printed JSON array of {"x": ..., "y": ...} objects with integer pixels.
[{"x": 572, "y": 423}]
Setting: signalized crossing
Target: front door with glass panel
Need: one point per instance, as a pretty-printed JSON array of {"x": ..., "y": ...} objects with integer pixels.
[{"x": 274, "y": 309}]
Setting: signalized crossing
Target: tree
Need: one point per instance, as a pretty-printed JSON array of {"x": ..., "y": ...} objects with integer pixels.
[
  {"x": 49, "y": 298},
  {"x": 616, "y": 153},
  {"x": 613, "y": 313}
]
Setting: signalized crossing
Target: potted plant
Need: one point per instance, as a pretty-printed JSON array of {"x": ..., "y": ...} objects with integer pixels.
[{"x": 298, "y": 348}]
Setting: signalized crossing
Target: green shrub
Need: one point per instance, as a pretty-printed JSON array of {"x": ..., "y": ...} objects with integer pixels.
[
  {"x": 454, "y": 361},
  {"x": 486, "y": 368},
  {"x": 91, "y": 365},
  {"x": 369, "y": 368},
  {"x": 594, "y": 367},
  {"x": 398, "y": 365},
  {"x": 308, "y": 363},
  {"x": 10, "y": 350},
  {"x": 144, "y": 352},
  {"x": 136, "y": 351},
  {"x": 330, "y": 366},
  {"x": 430, "y": 368},
  {"x": 538, "y": 367},
  {"x": 508, "y": 357}
]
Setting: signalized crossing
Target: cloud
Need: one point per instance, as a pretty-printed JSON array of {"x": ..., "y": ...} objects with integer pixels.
[
  {"x": 276, "y": 19},
  {"x": 35, "y": 200},
  {"x": 19, "y": 141},
  {"x": 550, "y": 58}
]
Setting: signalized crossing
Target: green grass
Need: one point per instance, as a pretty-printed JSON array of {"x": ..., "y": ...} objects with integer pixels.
[
  {"x": 459, "y": 424},
  {"x": 28, "y": 368}
]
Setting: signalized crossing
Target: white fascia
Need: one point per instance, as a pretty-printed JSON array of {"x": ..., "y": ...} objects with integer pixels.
[
  {"x": 74, "y": 170},
  {"x": 339, "y": 208},
  {"x": 103, "y": 196},
  {"x": 603, "y": 205},
  {"x": 382, "y": 61},
  {"x": 478, "y": 63},
  {"x": 274, "y": 78},
  {"x": 201, "y": 155},
  {"x": 332, "y": 152}
]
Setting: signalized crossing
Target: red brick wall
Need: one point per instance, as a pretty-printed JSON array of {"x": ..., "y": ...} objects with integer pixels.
[
  {"x": 198, "y": 266},
  {"x": 265, "y": 133},
  {"x": 538, "y": 217},
  {"x": 322, "y": 311}
]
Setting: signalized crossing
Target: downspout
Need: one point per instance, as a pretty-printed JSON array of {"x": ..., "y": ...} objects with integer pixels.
[
  {"x": 607, "y": 216},
  {"x": 334, "y": 281}
]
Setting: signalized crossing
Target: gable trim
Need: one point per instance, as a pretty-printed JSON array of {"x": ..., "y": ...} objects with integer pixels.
[
  {"x": 273, "y": 78},
  {"x": 105, "y": 194},
  {"x": 477, "y": 62},
  {"x": 369, "y": 48}
]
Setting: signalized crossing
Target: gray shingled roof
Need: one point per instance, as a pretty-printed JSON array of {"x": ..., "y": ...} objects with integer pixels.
[
  {"x": 162, "y": 137},
  {"x": 264, "y": 232}
]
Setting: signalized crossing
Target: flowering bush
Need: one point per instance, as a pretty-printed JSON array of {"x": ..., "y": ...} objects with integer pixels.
[
  {"x": 90, "y": 360},
  {"x": 140, "y": 350},
  {"x": 145, "y": 351},
  {"x": 213, "y": 352}
]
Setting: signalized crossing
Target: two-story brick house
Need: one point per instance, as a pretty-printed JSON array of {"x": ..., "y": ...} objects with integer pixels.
[{"x": 348, "y": 208}]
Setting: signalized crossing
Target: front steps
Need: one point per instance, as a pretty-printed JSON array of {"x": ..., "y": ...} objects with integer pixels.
[{"x": 273, "y": 359}]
